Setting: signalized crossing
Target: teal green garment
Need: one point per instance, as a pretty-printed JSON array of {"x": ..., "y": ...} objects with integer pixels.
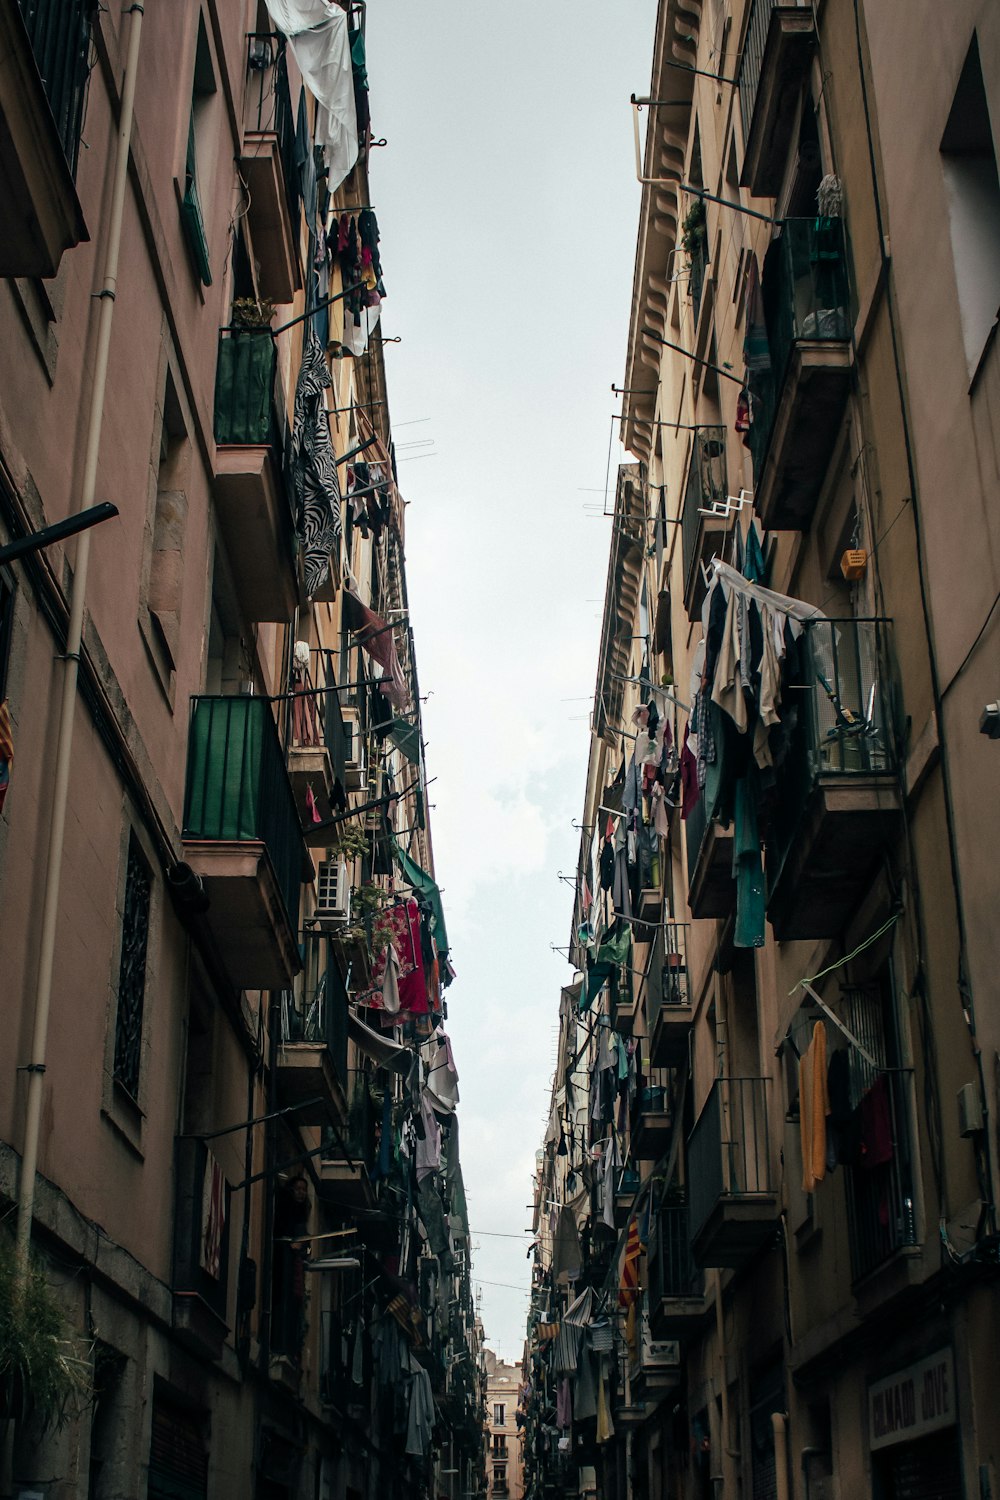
[
  {"x": 597, "y": 977},
  {"x": 615, "y": 950},
  {"x": 622, "y": 1058},
  {"x": 406, "y": 737},
  {"x": 422, "y": 882},
  {"x": 747, "y": 867}
]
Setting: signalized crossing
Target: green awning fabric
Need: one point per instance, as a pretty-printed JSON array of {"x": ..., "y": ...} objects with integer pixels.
[
  {"x": 406, "y": 737},
  {"x": 422, "y": 882}
]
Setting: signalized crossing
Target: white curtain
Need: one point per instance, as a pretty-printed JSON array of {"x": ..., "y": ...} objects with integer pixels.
[{"x": 317, "y": 32}]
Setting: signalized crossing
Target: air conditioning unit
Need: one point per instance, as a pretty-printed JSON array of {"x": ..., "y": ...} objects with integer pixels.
[
  {"x": 354, "y": 760},
  {"x": 333, "y": 892}
]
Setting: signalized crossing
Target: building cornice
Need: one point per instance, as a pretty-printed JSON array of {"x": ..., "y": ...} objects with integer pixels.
[{"x": 677, "y": 26}]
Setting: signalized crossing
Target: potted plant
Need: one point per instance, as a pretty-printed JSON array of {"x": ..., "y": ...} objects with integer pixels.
[
  {"x": 693, "y": 231},
  {"x": 45, "y": 1373},
  {"x": 252, "y": 313}
]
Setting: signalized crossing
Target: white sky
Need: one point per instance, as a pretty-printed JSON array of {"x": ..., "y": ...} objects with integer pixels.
[{"x": 507, "y": 208}]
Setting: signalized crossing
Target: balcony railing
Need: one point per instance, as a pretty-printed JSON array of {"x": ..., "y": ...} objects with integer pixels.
[
  {"x": 706, "y": 481},
  {"x": 672, "y": 1270},
  {"x": 316, "y": 717},
  {"x": 753, "y": 56},
  {"x": 730, "y": 1173},
  {"x": 244, "y": 387},
  {"x": 776, "y": 56},
  {"x": 698, "y": 256},
  {"x": 806, "y": 293},
  {"x": 320, "y": 1019},
  {"x": 201, "y": 1249},
  {"x": 881, "y": 1213},
  {"x": 269, "y": 106},
  {"x": 59, "y": 32},
  {"x": 844, "y": 727},
  {"x": 668, "y": 994},
  {"x": 358, "y": 1140},
  {"x": 238, "y": 788}
]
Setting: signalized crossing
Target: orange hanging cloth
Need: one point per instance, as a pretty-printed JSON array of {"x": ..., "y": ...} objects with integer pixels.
[{"x": 814, "y": 1106}]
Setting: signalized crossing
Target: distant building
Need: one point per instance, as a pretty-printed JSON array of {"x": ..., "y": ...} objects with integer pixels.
[{"x": 503, "y": 1439}]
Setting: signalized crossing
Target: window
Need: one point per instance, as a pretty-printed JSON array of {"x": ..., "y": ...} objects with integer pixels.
[
  {"x": 197, "y": 160},
  {"x": 498, "y": 1414},
  {"x": 972, "y": 191},
  {"x": 161, "y": 611},
  {"x": 132, "y": 970},
  {"x": 499, "y": 1478}
]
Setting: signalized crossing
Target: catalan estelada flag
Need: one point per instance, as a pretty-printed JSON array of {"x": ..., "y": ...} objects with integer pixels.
[
  {"x": 6, "y": 751},
  {"x": 628, "y": 1289}
]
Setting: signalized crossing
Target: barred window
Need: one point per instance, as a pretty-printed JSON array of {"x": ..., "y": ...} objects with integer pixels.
[{"x": 132, "y": 971}]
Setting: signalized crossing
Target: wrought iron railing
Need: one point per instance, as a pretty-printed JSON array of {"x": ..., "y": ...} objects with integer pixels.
[
  {"x": 807, "y": 297},
  {"x": 238, "y": 788},
  {"x": 358, "y": 1139},
  {"x": 695, "y": 829},
  {"x": 706, "y": 482},
  {"x": 269, "y": 107},
  {"x": 59, "y": 33},
  {"x": 316, "y": 716},
  {"x": 753, "y": 56},
  {"x": 671, "y": 1267},
  {"x": 729, "y": 1152},
  {"x": 843, "y": 695},
  {"x": 881, "y": 1211},
  {"x": 320, "y": 1017},
  {"x": 667, "y": 974},
  {"x": 698, "y": 258}
]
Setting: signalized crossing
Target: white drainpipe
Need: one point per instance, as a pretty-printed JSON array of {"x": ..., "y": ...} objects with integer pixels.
[{"x": 60, "y": 790}]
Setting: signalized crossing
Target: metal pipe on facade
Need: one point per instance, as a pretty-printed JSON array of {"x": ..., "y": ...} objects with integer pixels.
[
  {"x": 74, "y": 636},
  {"x": 779, "y": 1425}
]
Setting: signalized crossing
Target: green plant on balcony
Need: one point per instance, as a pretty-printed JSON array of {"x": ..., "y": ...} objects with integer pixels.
[
  {"x": 350, "y": 843},
  {"x": 368, "y": 900},
  {"x": 252, "y": 312},
  {"x": 693, "y": 228},
  {"x": 45, "y": 1373}
]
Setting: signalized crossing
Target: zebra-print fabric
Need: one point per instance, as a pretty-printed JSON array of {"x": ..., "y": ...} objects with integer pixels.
[{"x": 314, "y": 468}]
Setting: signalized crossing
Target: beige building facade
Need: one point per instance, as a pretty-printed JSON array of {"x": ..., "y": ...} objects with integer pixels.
[
  {"x": 503, "y": 1435},
  {"x": 206, "y": 1110},
  {"x": 787, "y": 921}
]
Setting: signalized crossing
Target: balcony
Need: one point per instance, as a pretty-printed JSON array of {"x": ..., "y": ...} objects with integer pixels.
[
  {"x": 798, "y": 402},
  {"x": 777, "y": 52},
  {"x": 652, "y": 1124},
  {"x": 701, "y": 536},
  {"x": 676, "y": 1296},
  {"x": 242, "y": 837},
  {"x": 711, "y": 888},
  {"x": 881, "y": 1210},
  {"x": 350, "y": 1153},
  {"x": 840, "y": 801},
  {"x": 200, "y": 1297},
  {"x": 45, "y": 48},
  {"x": 669, "y": 1012},
  {"x": 267, "y": 163},
  {"x": 627, "y": 1183},
  {"x": 734, "y": 1200},
  {"x": 318, "y": 752},
  {"x": 312, "y": 1060},
  {"x": 251, "y": 489}
]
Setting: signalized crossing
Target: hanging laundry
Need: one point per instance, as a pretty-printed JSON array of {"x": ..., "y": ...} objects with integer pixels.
[
  {"x": 375, "y": 636},
  {"x": 314, "y": 468},
  {"x": 319, "y": 35},
  {"x": 814, "y": 1107}
]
